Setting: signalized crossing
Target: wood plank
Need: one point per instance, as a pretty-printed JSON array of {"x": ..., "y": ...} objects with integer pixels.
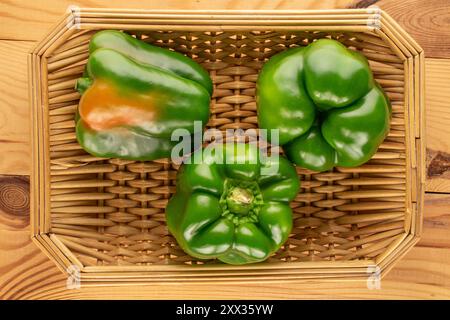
[
  {"x": 423, "y": 265},
  {"x": 14, "y": 111},
  {"x": 319, "y": 290},
  {"x": 29, "y": 20},
  {"x": 436, "y": 224},
  {"x": 22, "y": 263},
  {"x": 25, "y": 272},
  {"x": 426, "y": 21},
  {"x": 427, "y": 263},
  {"x": 437, "y": 95},
  {"x": 23, "y": 266}
]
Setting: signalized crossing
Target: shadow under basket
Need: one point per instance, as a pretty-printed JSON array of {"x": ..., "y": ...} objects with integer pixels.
[{"x": 104, "y": 218}]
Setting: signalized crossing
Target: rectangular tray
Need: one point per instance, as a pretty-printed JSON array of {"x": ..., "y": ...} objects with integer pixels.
[{"x": 105, "y": 218}]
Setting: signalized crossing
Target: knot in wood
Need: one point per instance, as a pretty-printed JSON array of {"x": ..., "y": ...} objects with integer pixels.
[{"x": 14, "y": 195}]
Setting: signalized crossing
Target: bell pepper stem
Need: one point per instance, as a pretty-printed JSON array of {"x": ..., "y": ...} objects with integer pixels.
[{"x": 239, "y": 200}]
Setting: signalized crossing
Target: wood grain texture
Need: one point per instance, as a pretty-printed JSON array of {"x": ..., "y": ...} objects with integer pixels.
[
  {"x": 26, "y": 273},
  {"x": 53, "y": 288},
  {"x": 423, "y": 265},
  {"x": 438, "y": 124},
  {"x": 29, "y": 20},
  {"x": 427, "y": 21},
  {"x": 22, "y": 263},
  {"x": 14, "y": 108},
  {"x": 436, "y": 222},
  {"x": 23, "y": 266}
]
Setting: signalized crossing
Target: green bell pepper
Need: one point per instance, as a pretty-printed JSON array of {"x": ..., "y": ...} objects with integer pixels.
[
  {"x": 134, "y": 95},
  {"x": 235, "y": 210},
  {"x": 325, "y": 103}
]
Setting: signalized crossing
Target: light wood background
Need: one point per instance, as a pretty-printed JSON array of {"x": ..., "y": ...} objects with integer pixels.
[{"x": 25, "y": 273}]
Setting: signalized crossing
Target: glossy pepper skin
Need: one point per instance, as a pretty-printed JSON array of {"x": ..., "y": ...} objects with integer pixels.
[
  {"x": 328, "y": 108},
  {"x": 238, "y": 211},
  {"x": 134, "y": 95}
]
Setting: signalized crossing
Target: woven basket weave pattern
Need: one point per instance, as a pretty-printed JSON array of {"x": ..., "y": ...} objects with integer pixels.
[{"x": 110, "y": 212}]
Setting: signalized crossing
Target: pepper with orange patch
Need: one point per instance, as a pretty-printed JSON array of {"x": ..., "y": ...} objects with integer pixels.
[{"x": 130, "y": 105}]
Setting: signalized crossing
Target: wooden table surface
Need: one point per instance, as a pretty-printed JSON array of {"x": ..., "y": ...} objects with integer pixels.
[{"x": 25, "y": 273}]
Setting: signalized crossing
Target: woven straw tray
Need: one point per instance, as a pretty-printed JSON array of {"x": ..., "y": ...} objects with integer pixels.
[{"x": 104, "y": 218}]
